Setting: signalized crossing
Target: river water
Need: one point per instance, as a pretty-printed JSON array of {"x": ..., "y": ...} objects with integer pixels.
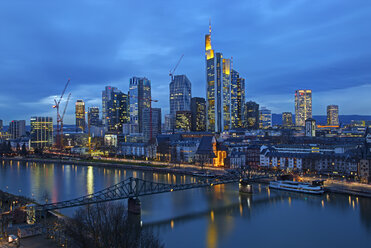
[{"x": 208, "y": 217}]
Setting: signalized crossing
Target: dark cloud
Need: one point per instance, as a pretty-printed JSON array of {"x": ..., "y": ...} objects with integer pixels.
[{"x": 278, "y": 46}]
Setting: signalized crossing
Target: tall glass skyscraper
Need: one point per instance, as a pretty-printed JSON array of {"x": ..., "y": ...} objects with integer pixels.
[
  {"x": 115, "y": 109},
  {"x": 265, "y": 118},
  {"x": 80, "y": 115},
  {"x": 303, "y": 106},
  {"x": 198, "y": 112},
  {"x": 106, "y": 97},
  {"x": 41, "y": 132},
  {"x": 237, "y": 100},
  {"x": 180, "y": 95},
  {"x": 333, "y": 115},
  {"x": 251, "y": 113},
  {"x": 93, "y": 116},
  {"x": 218, "y": 89},
  {"x": 140, "y": 96}
]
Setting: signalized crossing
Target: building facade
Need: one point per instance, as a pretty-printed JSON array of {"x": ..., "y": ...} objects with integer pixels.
[
  {"x": 180, "y": 94},
  {"x": 251, "y": 113},
  {"x": 333, "y": 115},
  {"x": 198, "y": 112},
  {"x": 183, "y": 121},
  {"x": 265, "y": 118},
  {"x": 237, "y": 100},
  {"x": 17, "y": 129},
  {"x": 93, "y": 116},
  {"x": 80, "y": 115},
  {"x": 117, "y": 111},
  {"x": 303, "y": 106},
  {"x": 150, "y": 131},
  {"x": 41, "y": 132},
  {"x": 218, "y": 81}
]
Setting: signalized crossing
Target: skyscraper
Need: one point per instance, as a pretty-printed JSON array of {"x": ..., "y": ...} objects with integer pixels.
[
  {"x": 183, "y": 121},
  {"x": 265, "y": 118},
  {"x": 198, "y": 112},
  {"x": 168, "y": 122},
  {"x": 237, "y": 100},
  {"x": 1, "y": 125},
  {"x": 287, "y": 119},
  {"x": 156, "y": 123},
  {"x": 93, "y": 116},
  {"x": 218, "y": 85},
  {"x": 180, "y": 94},
  {"x": 17, "y": 128},
  {"x": 41, "y": 132},
  {"x": 333, "y": 115},
  {"x": 106, "y": 97},
  {"x": 139, "y": 97},
  {"x": 80, "y": 115},
  {"x": 251, "y": 115},
  {"x": 303, "y": 106},
  {"x": 117, "y": 111}
]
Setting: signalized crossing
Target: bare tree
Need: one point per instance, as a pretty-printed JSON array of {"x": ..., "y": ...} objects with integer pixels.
[{"x": 108, "y": 225}]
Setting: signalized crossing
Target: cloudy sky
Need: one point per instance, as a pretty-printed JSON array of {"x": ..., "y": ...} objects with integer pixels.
[{"x": 278, "y": 46}]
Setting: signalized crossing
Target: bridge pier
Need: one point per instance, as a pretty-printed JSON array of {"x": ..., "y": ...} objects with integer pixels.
[
  {"x": 245, "y": 187},
  {"x": 134, "y": 206}
]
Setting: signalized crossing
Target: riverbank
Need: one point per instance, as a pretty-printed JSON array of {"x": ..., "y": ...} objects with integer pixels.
[{"x": 160, "y": 167}]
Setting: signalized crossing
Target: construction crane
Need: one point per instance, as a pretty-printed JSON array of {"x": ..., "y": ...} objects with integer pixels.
[
  {"x": 171, "y": 72},
  {"x": 62, "y": 117},
  {"x": 150, "y": 112},
  {"x": 59, "y": 135}
]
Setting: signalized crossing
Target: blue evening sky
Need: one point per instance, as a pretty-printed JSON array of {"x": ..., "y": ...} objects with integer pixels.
[{"x": 278, "y": 46}]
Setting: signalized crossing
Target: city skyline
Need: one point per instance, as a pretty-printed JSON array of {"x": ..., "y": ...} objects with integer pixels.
[{"x": 285, "y": 54}]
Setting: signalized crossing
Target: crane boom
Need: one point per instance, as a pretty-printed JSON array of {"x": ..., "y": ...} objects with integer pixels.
[
  {"x": 171, "y": 74},
  {"x": 65, "y": 107},
  {"x": 64, "y": 90}
]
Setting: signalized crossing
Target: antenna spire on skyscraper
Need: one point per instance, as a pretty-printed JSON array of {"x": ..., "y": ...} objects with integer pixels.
[{"x": 210, "y": 26}]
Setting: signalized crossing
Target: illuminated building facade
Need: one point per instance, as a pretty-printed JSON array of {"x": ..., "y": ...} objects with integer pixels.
[
  {"x": 118, "y": 111},
  {"x": 310, "y": 127},
  {"x": 93, "y": 116},
  {"x": 287, "y": 119},
  {"x": 1, "y": 125},
  {"x": 180, "y": 94},
  {"x": 156, "y": 123},
  {"x": 80, "y": 115},
  {"x": 168, "y": 122},
  {"x": 140, "y": 96},
  {"x": 183, "y": 121},
  {"x": 198, "y": 112},
  {"x": 218, "y": 87},
  {"x": 251, "y": 115},
  {"x": 106, "y": 97},
  {"x": 41, "y": 132},
  {"x": 265, "y": 118},
  {"x": 237, "y": 100},
  {"x": 17, "y": 129},
  {"x": 303, "y": 106},
  {"x": 333, "y": 115}
]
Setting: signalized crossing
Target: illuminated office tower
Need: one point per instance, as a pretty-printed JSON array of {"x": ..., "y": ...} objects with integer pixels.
[
  {"x": 183, "y": 121},
  {"x": 80, "y": 115},
  {"x": 333, "y": 115},
  {"x": 180, "y": 94},
  {"x": 1, "y": 125},
  {"x": 287, "y": 119},
  {"x": 93, "y": 116},
  {"x": 17, "y": 129},
  {"x": 303, "y": 106},
  {"x": 251, "y": 115},
  {"x": 117, "y": 111},
  {"x": 139, "y": 96},
  {"x": 198, "y": 111},
  {"x": 218, "y": 86},
  {"x": 237, "y": 100},
  {"x": 41, "y": 132},
  {"x": 156, "y": 123},
  {"x": 106, "y": 97},
  {"x": 265, "y": 118}
]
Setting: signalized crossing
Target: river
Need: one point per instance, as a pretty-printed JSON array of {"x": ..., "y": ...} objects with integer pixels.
[{"x": 208, "y": 217}]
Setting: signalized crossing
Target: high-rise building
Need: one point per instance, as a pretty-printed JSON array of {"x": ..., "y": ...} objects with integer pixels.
[
  {"x": 198, "y": 113},
  {"x": 265, "y": 118},
  {"x": 237, "y": 100},
  {"x": 17, "y": 129},
  {"x": 218, "y": 86},
  {"x": 303, "y": 106},
  {"x": 1, "y": 125},
  {"x": 180, "y": 94},
  {"x": 106, "y": 97},
  {"x": 251, "y": 115},
  {"x": 93, "y": 116},
  {"x": 183, "y": 121},
  {"x": 155, "y": 128},
  {"x": 333, "y": 115},
  {"x": 140, "y": 97},
  {"x": 168, "y": 122},
  {"x": 310, "y": 127},
  {"x": 287, "y": 119},
  {"x": 117, "y": 111},
  {"x": 80, "y": 115},
  {"x": 41, "y": 132}
]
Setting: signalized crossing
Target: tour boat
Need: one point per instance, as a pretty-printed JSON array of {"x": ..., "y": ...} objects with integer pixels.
[{"x": 297, "y": 187}]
